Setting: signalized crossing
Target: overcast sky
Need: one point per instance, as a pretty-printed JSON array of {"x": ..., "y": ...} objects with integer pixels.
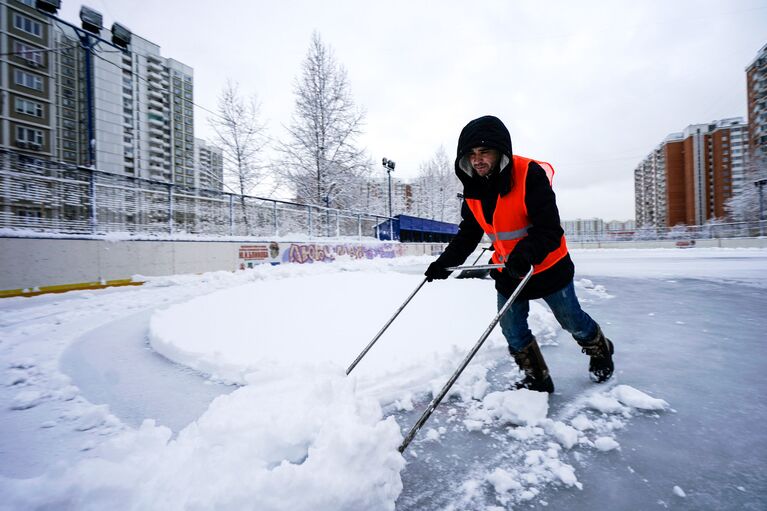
[{"x": 591, "y": 87}]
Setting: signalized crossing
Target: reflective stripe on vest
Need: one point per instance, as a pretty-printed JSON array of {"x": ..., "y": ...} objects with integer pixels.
[
  {"x": 509, "y": 235},
  {"x": 510, "y": 221}
]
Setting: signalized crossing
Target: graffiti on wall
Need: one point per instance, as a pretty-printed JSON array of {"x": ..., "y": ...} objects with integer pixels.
[{"x": 309, "y": 252}]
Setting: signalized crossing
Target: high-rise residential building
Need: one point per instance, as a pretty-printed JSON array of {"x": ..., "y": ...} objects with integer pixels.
[
  {"x": 210, "y": 165},
  {"x": 690, "y": 176},
  {"x": 141, "y": 117},
  {"x": 756, "y": 88},
  {"x": 27, "y": 89}
]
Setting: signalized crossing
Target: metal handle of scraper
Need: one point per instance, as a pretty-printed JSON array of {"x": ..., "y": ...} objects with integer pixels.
[{"x": 438, "y": 398}]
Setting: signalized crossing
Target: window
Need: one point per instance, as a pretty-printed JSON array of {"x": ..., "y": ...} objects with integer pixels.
[
  {"x": 29, "y": 53},
  {"x": 28, "y": 25},
  {"x": 24, "y": 106},
  {"x": 28, "y": 136},
  {"x": 28, "y": 80}
]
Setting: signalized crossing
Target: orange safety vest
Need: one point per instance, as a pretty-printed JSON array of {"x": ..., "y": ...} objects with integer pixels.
[{"x": 510, "y": 220}]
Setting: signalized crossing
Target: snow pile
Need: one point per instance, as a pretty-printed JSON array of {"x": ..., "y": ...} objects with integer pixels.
[
  {"x": 539, "y": 446},
  {"x": 520, "y": 407},
  {"x": 310, "y": 445}
]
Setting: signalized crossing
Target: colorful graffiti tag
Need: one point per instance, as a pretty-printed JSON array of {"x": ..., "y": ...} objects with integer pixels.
[{"x": 309, "y": 253}]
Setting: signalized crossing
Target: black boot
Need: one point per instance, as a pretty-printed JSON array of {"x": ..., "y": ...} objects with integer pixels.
[
  {"x": 531, "y": 363},
  {"x": 601, "y": 350}
]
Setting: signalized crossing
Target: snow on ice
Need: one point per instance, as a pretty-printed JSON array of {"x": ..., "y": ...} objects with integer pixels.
[{"x": 295, "y": 433}]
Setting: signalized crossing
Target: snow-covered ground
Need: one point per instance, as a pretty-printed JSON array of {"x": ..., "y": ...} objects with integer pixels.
[{"x": 228, "y": 391}]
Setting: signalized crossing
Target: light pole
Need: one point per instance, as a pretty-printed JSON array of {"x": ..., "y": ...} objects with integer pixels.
[
  {"x": 327, "y": 206},
  {"x": 389, "y": 167},
  {"x": 90, "y": 38}
]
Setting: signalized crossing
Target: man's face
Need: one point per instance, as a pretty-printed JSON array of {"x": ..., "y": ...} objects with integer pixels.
[{"x": 483, "y": 160}]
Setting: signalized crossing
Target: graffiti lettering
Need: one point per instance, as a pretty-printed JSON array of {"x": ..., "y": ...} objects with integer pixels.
[{"x": 309, "y": 253}]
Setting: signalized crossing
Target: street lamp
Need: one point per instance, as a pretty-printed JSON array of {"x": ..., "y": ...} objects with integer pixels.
[
  {"x": 89, "y": 34},
  {"x": 327, "y": 206},
  {"x": 389, "y": 167}
]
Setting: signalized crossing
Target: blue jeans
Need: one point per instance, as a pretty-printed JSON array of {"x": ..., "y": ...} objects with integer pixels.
[{"x": 563, "y": 303}]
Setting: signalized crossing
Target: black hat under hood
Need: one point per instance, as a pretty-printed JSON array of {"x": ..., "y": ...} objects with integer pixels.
[{"x": 486, "y": 131}]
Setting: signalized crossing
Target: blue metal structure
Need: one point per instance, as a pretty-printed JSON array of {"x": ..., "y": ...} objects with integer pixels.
[{"x": 410, "y": 228}]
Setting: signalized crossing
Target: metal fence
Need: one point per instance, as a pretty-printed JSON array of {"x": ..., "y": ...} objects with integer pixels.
[
  {"x": 47, "y": 196},
  {"x": 56, "y": 197}
]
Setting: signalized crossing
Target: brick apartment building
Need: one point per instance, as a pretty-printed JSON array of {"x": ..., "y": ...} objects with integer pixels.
[{"x": 689, "y": 177}]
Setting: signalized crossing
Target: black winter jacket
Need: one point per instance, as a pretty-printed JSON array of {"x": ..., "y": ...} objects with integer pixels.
[{"x": 544, "y": 235}]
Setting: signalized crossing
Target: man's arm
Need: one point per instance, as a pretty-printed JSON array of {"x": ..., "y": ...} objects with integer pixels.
[{"x": 468, "y": 237}]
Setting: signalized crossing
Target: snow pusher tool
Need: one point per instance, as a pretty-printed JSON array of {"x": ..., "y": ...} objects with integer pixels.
[
  {"x": 474, "y": 272},
  {"x": 438, "y": 398}
]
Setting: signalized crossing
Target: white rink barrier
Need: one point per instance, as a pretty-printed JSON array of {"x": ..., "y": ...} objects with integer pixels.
[{"x": 30, "y": 266}]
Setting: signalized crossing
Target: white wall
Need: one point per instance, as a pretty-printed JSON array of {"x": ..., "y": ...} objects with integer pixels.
[{"x": 30, "y": 263}]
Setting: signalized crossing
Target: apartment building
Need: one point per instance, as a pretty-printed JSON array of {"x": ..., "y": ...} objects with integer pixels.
[
  {"x": 690, "y": 176},
  {"x": 27, "y": 89},
  {"x": 74, "y": 98},
  {"x": 210, "y": 165},
  {"x": 756, "y": 88}
]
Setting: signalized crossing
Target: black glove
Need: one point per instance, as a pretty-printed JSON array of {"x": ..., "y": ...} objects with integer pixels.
[
  {"x": 436, "y": 271},
  {"x": 517, "y": 265}
]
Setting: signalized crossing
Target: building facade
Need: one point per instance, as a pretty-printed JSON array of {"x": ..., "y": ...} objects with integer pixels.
[
  {"x": 27, "y": 90},
  {"x": 210, "y": 166},
  {"x": 690, "y": 176},
  {"x": 122, "y": 112},
  {"x": 756, "y": 88}
]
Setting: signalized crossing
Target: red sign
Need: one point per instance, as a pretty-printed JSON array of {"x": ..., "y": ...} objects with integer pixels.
[{"x": 254, "y": 252}]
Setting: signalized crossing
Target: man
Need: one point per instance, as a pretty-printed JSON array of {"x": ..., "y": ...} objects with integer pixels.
[{"x": 510, "y": 198}]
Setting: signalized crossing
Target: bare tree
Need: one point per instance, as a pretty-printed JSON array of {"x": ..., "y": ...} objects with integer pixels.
[
  {"x": 320, "y": 160},
  {"x": 435, "y": 189},
  {"x": 242, "y": 136}
]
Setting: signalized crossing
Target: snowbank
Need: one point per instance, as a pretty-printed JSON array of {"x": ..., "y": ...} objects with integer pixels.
[{"x": 313, "y": 445}]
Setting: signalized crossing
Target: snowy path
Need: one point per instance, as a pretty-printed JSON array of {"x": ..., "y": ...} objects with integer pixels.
[
  {"x": 114, "y": 364},
  {"x": 78, "y": 371}
]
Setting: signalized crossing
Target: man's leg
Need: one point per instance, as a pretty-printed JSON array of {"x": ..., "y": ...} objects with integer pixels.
[
  {"x": 523, "y": 347},
  {"x": 566, "y": 308}
]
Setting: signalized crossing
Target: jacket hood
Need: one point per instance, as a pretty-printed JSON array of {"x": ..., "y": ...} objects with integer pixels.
[{"x": 486, "y": 131}]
